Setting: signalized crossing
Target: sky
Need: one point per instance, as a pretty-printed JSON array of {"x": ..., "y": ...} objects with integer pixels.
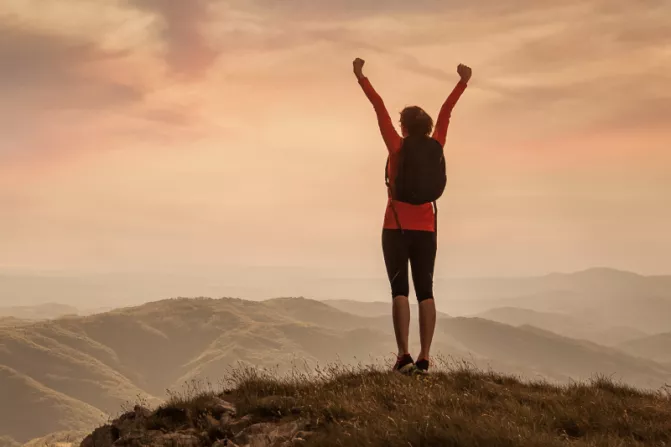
[{"x": 166, "y": 135}]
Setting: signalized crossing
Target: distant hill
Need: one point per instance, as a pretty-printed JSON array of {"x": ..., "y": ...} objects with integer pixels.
[
  {"x": 620, "y": 298},
  {"x": 95, "y": 364},
  {"x": 371, "y": 309},
  {"x": 569, "y": 326},
  {"x": 532, "y": 352},
  {"x": 68, "y": 438},
  {"x": 364, "y": 309},
  {"x": 109, "y": 359},
  {"x": 11, "y": 321},
  {"x": 38, "y": 312},
  {"x": 28, "y": 407},
  {"x": 600, "y": 282},
  {"x": 654, "y": 347},
  {"x": 612, "y": 297}
]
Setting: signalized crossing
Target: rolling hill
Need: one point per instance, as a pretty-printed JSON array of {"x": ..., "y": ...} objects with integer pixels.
[
  {"x": 93, "y": 365},
  {"x": 567, "y": 325},
  {"x": 107, "y": 360},
  {"x": 38, "y": 312},
  {"x": 28, "y": 407},
  {"x": 655, "y": 347},
  {"x": 11, "y": 321},
  {"x": 532, "y": 352},
  {"x": 609, "y": 297},
  {"x": 372, "y": 309}
]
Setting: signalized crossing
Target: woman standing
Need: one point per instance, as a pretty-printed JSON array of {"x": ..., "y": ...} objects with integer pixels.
[{"x": 409, "y": 232}]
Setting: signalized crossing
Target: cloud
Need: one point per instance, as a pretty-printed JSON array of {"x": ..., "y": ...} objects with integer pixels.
[
  {"x": 343, "y": 10},
  {"x": 597, "y": 62},
  {"x": 46, "y": 76},
  {"x": 528, "y": 55},
  {"x": 188, "y": 51},
  {"x": 54, "y": 71},
  {"x": 63, "y": 94},
  {"x": 606, "y": 62}
]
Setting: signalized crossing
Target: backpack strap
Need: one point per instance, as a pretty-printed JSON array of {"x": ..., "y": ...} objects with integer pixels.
[
  {"x": 435, "y": 218},
  {"x": 393, "y": 209},
  {"x": 386, "y": 173},
  {"x": 391, "y": 196}
]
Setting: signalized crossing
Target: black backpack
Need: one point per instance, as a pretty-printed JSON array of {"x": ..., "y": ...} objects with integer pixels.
[{"x": 421, "y": 176}]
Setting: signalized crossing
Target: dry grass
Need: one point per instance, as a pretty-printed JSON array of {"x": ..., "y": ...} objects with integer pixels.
[{"x": 458, "y": 406}]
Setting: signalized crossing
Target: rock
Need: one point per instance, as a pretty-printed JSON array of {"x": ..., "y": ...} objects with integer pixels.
[
  {"x": 170, "y": 418},
  {"x": 220, "y": 408},
  {"x": 224, "y": 443},
  {"x": 178, "y": 440},
  {"x": 101, "y": 437},
  {"x": 176, "y": 414},
  {"x": 237, "y": 425},
  {"x": 267, "y": 434},
  {"x": 156, "y": 438},
  {"x": 226, "y": 420},
  {"x": 140, "y": 439},
  {"x": 141, "y": 411},
  {"x": 132, "y": 422},
  {"x": 300, "y": 437},
  {"x": 217, "y": 432}
]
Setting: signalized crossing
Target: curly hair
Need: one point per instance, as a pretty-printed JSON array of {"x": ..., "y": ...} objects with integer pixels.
[{"x": 416, "y": 121}]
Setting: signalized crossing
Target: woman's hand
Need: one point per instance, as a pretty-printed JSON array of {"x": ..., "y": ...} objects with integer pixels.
[
  {"x": 358, "y": 67},
  {"x": 465, "y": 72}
]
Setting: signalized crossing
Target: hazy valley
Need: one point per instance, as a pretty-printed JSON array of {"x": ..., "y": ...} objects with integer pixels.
[{"x": 64, "y": 372}]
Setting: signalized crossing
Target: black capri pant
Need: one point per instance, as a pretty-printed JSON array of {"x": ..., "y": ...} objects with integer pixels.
[{"x": 417, "y": 247}]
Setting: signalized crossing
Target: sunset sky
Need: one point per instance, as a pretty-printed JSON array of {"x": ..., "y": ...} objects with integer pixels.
[{"x": 175, "y": 135}]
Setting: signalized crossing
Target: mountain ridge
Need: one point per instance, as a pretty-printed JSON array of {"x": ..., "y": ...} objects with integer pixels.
[{"x": 107, "y": 360}]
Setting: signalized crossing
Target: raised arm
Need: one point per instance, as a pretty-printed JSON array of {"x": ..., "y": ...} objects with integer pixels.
[
  {"x": 389, "y": 134},
  {"x": 440, "y": 131}
]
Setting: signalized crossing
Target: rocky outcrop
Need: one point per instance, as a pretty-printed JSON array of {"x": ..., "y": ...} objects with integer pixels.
[{"x": 212, "y": 422}]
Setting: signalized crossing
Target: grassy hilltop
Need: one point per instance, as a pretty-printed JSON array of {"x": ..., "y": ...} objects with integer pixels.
[{"x": 368, "y": 407}]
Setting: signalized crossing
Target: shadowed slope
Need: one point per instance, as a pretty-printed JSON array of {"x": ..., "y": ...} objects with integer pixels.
[{"x": 29, "y": 407}]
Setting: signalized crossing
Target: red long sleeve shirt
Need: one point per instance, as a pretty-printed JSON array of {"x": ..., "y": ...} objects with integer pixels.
[{"x": 411, "y": 217}]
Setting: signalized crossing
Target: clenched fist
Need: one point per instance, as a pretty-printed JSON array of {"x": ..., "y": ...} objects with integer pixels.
[
  {"x": 358, "y": 67},
  {"x": 465, "y": 72}
]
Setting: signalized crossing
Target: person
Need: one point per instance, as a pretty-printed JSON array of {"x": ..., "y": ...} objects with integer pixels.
[{"x": 409, "y": 230}]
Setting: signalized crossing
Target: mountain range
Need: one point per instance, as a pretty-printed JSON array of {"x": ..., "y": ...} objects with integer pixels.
[{"x": 76, "y": 371}]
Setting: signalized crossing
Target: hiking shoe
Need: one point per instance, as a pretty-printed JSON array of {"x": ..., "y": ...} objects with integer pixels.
[
  {"x": 422, "y": 366},
  {"x": 404, "y": 364}
]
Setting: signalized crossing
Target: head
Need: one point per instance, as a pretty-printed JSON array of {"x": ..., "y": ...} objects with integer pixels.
[{"x": 415, "y": 122}]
